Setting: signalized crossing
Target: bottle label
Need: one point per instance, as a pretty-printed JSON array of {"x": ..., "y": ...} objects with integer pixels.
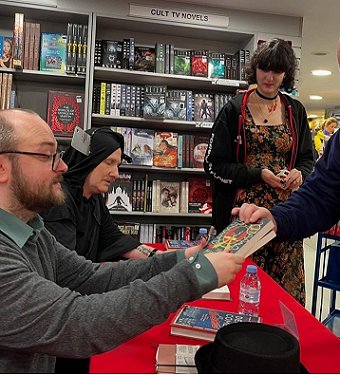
[{"x": 250, "y": 296}]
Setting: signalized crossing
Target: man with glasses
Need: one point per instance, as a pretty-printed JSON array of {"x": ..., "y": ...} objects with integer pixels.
[{"x": 56, "y": 303}]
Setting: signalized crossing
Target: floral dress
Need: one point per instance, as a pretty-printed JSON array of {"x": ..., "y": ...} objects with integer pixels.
[{"x": 269, "y": 146}]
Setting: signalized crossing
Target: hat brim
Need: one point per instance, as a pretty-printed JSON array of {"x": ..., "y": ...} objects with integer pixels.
[{"x": 203, "y": 365}]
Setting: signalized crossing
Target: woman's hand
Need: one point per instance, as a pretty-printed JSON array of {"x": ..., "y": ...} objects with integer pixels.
[
  {"x": 293, "y": 180},
  {"x": 270, "y": 178}
]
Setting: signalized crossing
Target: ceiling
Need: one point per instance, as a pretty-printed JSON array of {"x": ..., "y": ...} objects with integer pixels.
[{"x": 320, "y": 33}]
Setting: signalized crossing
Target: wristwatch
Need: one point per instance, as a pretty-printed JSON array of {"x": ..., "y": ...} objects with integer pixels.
[{"x": 152, "y": 253}]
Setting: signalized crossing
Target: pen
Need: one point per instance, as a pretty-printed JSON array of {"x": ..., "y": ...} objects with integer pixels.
[{"x": 211, "y": 233}]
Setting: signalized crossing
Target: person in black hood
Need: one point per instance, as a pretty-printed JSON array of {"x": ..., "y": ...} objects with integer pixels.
[{"x": 84, "y": 223}]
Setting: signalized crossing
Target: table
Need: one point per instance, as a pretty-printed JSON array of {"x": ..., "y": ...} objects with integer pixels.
[{"x": 319, "y": 347}]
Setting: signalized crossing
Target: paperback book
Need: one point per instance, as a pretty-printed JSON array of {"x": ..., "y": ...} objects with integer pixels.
[
  {"x": 200, "y": 194},
  {"x": 111, "y": 54},
  {"x": 203, "y": 323},
  {"x": 176, "y": 359},
  {"x": 222, "y": 293},
  {"x": 165, "y": 149},
  {"x": 145, "y": 59},
  {"x": 119, "y": 197},
  {"x": 179, "y": 244},
  {"x": 65, "y": 111},
  {"x": 169, "y": 197},
  {"x": 244, "y": 239},
  {"x": 154, "y": 102},
  {"x": 53, "y": 52},
  {"x": 6, "y": 52},
  {"x": 142, "y": 141},
  {"x": 204, "y": 107},
  {"x": 216, "y": 65},
  {"x": 199, "y": 63},
  {"x": 182, "y": 62},
  {"x": 175, "y": 106}
]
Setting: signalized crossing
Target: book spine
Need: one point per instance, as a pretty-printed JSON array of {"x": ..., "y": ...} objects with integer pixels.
[
  {"x": 26, "y": 44},
  {"x": 118, "y": 98},
  {"x": 79, "y": 62},
  {"x": 36, "y": 46},
  {"x": 102, "y": 98},
  {"x": 108, "y": 99},
  {"x": 69, "y": 44},
  {"x": 131, "y": 53},
  {"x": 113, "y": 99},
  {"x": 82, "y": 67}
]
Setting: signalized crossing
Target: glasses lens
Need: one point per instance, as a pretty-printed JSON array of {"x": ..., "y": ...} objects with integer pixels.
[{"x": 56, "y": 159}]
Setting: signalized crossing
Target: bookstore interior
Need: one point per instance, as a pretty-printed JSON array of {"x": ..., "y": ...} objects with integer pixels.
[{"x": 158, "y": 73}]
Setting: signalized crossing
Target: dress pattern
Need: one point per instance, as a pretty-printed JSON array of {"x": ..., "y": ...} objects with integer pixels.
[{"x": 269, "y": 146}]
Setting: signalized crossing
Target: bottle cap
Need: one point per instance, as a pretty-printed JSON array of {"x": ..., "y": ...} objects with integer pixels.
[
  {"x": 251, "y": 268},
  {"x": 203, "y": 231}
]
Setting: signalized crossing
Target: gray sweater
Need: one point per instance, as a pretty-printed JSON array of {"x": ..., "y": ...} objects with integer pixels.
[{"x": 56, "y": 303}]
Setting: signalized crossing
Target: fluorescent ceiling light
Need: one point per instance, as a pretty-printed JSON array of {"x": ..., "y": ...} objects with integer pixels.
[
  {"x": 312, "y": 116},
  {"x": 321, "y": 72},
  {"x": 315, "y": 97}
]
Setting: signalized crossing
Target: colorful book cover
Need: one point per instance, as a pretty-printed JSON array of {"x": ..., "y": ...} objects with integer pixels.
[
  {"x": 180, "y": 244},
  {"x": 239, "y": 237},
  {"x": 6, "y": 52},
  {"x": 65, "y": 111},
  {"x": 165, "y": 149},
  {"x": 200, "y": 322},
  {"x": 216, "y": 65},
  {"x": 142, "y": 141},
  {"x": 199, "y": 63},
  {"x": 200, "y": 147},
  {"x": 175, "y": 106},
  {"x": 182, "y": 62},
  {"x": 169, "y": 197},
  {"x": 199, "y": 195},
  {"x": 145, "y": 59},
  {"x": 204, "y": 108},
  {"x": 53, "y": 52},
  {"x": 119, "y": 196}
]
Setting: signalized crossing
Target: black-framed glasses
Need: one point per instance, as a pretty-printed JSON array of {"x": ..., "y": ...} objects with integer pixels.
[{"x": 54, "y": 157}]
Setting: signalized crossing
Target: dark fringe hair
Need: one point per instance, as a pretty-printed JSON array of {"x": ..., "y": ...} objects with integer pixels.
[{"x": 276, "y": 55}]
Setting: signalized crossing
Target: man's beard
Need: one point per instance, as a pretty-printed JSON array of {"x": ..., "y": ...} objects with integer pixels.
[{"x": 34, "y": 198}]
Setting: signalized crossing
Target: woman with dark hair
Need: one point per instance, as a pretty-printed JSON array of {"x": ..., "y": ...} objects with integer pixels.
[{"x": 259, "y": 151}]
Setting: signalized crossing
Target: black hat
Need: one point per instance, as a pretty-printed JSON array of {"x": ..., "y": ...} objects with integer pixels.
[{"x": 251, "y": 348}]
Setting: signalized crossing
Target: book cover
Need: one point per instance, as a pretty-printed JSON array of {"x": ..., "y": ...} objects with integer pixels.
[
  {"x": 154, "y": 102},
  {"x": 182, "y": 62},
  {"x": 142, "y": 141},
  {"x": 216, "y": 65},
  {"x": 119, "y": 197},
  {"x": 169, "y": 197},
  {"x": 165, "y": 149},
  {"x": 53, "y": 52},
  {"x": 199, "y": 195},
  {"x": 204, "y": 107},
  {"x": 145, "y": 59},
  {"x": 176, "y": 359},
  {"x": 175, "y": 105},
  {"x": 132, "y": 229},
  {"x": 6, "y": 52},
  {"x": 199, "y": 63},
  {"x": 222, "y": 293},
  {"x": 244, "y": 239},
  {"x": 203, "y": 323},
  {"x": 65, "y": 111},
  {"x": 179, "y": 244},
  {"x": 112, "y": 54},
  {"x": 200, "y": 147}
]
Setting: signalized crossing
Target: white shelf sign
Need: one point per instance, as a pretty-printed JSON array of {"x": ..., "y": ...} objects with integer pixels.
[{"x": 179, "y": 15}]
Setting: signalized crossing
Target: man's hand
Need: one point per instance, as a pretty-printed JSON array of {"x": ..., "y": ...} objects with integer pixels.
[
  {"x": 226, "y": 265},
  {"x": 190, "y": 251},
  {"x": 250, "y": 213}
]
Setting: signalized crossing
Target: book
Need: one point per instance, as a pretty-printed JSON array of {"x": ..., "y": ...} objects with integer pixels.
[
  {"x": 216, "y": 65},
  {"x": 179, "y": 244},
  {"x": 142, "y": 141},
  {"x": 203, "y": 323},
  {"x": 182, "y": 62},
  {"x": 18, "y": 41},
  {"x": 169, "y": 197},
  {"x": 145, "y": 59},
  {"x": 6, "y": 52},
  {"x": 165, "y": 149},
  {"x": 112, "y": 54},
  {"x": 199, "y": 63},
  {"x": 53, "y": 52},
  {"x": 244, "y": 239},
  {"x": 222, "y": 293},
  {"x": 175, "y": 105},
  {"x": 199, "y": 194},
  {"x": 200, "y": 147},
  {"x": 119, "y": 196},
  {"x": 204, "y": 107},
  {"x": 154, "y": 101},
  {"x": 176, "y": 359},
  {"x": 65, "y": 111}
]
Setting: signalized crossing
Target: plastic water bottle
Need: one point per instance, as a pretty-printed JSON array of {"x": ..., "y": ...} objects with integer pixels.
[
  {"x": 250, "y": 290},
  {"x": 202, "y": 233}
]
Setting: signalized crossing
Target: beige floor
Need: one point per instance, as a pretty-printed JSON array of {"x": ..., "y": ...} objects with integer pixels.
[{"x": 310, "y": 250}]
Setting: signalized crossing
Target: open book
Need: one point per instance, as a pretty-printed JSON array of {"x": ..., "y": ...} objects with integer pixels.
[{"x": 242, "y": 238}]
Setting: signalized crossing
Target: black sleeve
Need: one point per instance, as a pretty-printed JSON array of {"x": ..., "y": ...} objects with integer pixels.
[
  {"x": 112, "y": 242},
  {"x": 220, "y": 158}
]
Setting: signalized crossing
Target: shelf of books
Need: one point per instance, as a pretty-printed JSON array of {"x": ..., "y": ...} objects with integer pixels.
[
  {"x": 162, "y": 86},
  {"x": 43, "y": 63}
]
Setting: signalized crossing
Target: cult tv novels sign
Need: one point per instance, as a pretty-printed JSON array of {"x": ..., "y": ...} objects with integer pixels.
[{"x": 179, "y": 15}]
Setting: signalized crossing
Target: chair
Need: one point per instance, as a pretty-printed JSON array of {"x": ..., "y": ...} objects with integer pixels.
[{"x": 327, "y": 275}]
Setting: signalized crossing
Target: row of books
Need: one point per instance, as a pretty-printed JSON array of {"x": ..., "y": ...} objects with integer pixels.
[
  {"x": 146, "y": 195},
  {"x": 163, "y": 149},
  {"x": 7, "y": 95},
  {"x": 54, "y": 52},
  {"x": 165, "y": 58},
  {"x": 154, "y": 102}
]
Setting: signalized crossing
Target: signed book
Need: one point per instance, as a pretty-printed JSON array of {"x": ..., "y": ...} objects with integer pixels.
[
  {"x": 244, "y": 239},
  {"x": 176, "y": 359},
  {"x": 203, "y": 323},
  {"x": 222, "y": 293}
]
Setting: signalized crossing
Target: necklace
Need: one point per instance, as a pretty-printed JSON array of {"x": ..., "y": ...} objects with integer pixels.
[
  {"x": 270, "y": 109},
  {"x": 266, "y": 97}
]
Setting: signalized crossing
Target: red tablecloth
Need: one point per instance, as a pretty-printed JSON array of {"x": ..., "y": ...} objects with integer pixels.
[{"x": 320, "y": 348}]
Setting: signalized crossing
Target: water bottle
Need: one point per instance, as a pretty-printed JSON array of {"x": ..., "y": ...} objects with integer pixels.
[
  {"x": 202, "y": 233},
  {"x": 250, "y": 290}
]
